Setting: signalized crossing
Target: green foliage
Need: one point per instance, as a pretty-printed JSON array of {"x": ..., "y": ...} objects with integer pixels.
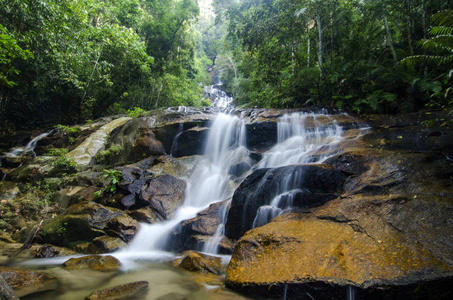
[
  {"x": 62, "y": 161},
  {"x": 105, "y": 155},
  {"x": 136, "y": 112},
  {"x": 70, "y": 132},
  {"x": 113, "y": 178},
  {"x": 9, "y": 50}
]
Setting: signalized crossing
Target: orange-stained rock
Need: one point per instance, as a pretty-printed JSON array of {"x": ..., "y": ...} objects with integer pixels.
[
  {"x": 304, "y": 251},
  {"x": 198, "y": 262},
  {"x": 94, "y": 262}
]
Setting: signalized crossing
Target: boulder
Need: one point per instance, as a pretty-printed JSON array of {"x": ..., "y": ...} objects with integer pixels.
[
  {"x": 123, "y": 227},
  {"x": 301, "y": 254},
  {"x": 193, "y": 233},
  {"x": 123, "y": 291},
  {"x": 135, "y": 141},
  {"x": 164, "y": 194},
  {"x": 93, "y": 262},
  {"x": 85, "y": 152},
  {"x": 105, "y": 244},
  {"x": 82, "y": 222},
  {"x": 25, "y": 282},
  {"x": 198, "y": 262}
]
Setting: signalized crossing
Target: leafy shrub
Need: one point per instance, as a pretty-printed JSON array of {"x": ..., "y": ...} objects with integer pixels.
[
  {"x": 136, "y": 112},
  {"x": 61, "y": 160},
  {"x": 70, "y": 132},
  {"x": 103, "y": 156},
  {"x": 113, "y": 178}
]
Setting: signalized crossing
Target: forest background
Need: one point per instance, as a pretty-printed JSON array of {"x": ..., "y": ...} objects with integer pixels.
[{"x": 68, "y": 61}]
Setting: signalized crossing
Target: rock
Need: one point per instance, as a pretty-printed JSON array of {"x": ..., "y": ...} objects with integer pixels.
[
  {"x": 124, "y": 291},
  {"x": 82, "y": 223},
  {"x": 5, "y": 237},
  {"x": 67, "y": 197},
  {"x": 164, "y": 194},
  {"x": 190, "y": 142},
  {"x": 48, "y": 251},
  {"x": 193, "y": 233},
  {"x": 261, "y": 136},
  {"x": 85, "y": 152},
  {"x": 93, "y": 262},
  {"x": 145, "y": 215},
  {"x": 198, "y": 262},
  {"x": 123, "y": 227},
  {"x": 136, "y": 141},
  {"x": 316, "y": 183},
  {"x": 25, "y": 282},
  {"x": 296, "y": 251},
  {"x": 105, "y": 244}
]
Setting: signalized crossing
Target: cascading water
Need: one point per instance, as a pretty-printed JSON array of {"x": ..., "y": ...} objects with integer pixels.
[
  {"x": 23, "y": 151},
  {"x": 302, "y": 138},
  {"x": 300, "y": 135},
  {"x": 210, "y": 182}
]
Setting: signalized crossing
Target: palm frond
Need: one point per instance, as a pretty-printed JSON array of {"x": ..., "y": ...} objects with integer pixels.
[
  {"x": 441, "y": 30},
  {"x": 444, "y": 18},
  {"x": 427, "y": 59}
]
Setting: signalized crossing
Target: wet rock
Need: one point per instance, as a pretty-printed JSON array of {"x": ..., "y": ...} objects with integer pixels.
[
  {"x": 198, "y": 262},
  {"x": 261, "y": 136},
  {"x": 193, "y": 233},
  {"x": 81, "y": 223},
  {"x": 25, "y": 282},
  {"x": 164, "y": 194},
  {"x": 190, "y": 142},
  {"x": 317, "y": 183},
  {"x": 135, "y": 141},
  {"x": 124, "y": 291},
  {"x": 67, "y": 197},
  {"x": 145, "y": 215},
  {"x": 93, "y": 262},
  {"x": 106, "y": 244},
  {"x": 85, "y": 152},
  {"x": 48, "y": 251},
  {"x": 123, "y": 227},
  {"x": 296, "y": 252}
]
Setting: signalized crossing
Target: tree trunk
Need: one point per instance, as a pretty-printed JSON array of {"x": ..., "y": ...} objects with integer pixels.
[
  {"x": 389, "y": 35},
  {"x": 408, "y": 28},
  {"x": 320, "y": 58}
]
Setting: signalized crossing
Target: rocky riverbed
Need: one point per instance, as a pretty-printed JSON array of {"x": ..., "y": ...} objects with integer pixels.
[{"x": 372, "y": 219}]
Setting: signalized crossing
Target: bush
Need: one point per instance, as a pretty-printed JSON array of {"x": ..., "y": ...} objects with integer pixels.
[{"x": 136, "y": 112}]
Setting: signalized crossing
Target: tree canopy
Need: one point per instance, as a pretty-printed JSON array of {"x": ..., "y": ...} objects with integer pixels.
[{"x": 65, "y": 61}]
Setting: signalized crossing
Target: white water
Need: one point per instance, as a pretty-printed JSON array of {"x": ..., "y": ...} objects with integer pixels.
[
  {"x": 210, "y": 182},
  {"x": 29, "y": 148},
  {"x": 299, "y": 136}
]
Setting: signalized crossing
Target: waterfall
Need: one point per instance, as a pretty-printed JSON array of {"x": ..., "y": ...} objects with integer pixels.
[
  {"x": 22, "y": 151},
  {"x": 299, "y": 136},
  {"x": 302, "y": 138},
  {"x": 210, "y": 182}
]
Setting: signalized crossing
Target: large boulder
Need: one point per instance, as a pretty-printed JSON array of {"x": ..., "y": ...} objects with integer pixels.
[
  {"x": 81, "y": 223},
  {"x": 301, "y": 254},
  {"x": 84, "y": 154}
]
